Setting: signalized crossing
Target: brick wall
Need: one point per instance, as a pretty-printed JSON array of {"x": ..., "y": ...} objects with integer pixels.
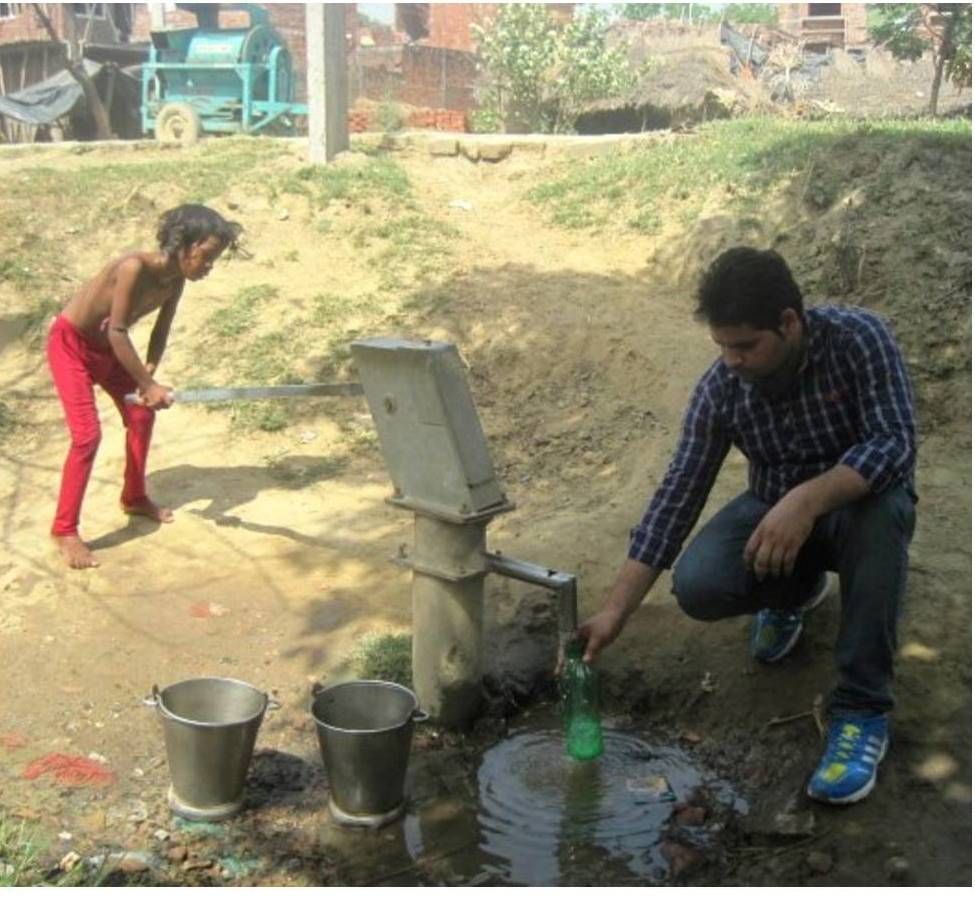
[
  {"x": 25, "y": 27},
  {"x": 414, "y": 74},
  {"x": 450, "y": 23},
  {"x": 856, "y": 23},
  {"x": 180, "y": 18},
  {"x": 791, "y": 15}
]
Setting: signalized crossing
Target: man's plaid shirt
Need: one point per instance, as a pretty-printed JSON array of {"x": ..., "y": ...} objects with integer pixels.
[{"x": 851, "y": 404}]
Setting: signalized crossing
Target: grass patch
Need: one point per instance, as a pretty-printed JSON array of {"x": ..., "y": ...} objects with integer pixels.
[
  {"x": 36, "y": 320},
  {"x": 328, "y": 308},
  {"x": 8, "y": 422},
  {"x": 360, "y": 437},
  {"x": 14, "y": 271},
  {"x": 270, "y": 417},
  {"x": 305, "y": 471},
  {"x": 388, "y": 657},
  {"x": 409, "y": 245},
  {"x": 201, "y": 176},
  {"x": 743, "y": 157},
  {"x": 378, "y": 178},
  {"x": 269, "y": 358},
  {"x": 241, "y": 315},
  {"x": 21, "y": 864}
]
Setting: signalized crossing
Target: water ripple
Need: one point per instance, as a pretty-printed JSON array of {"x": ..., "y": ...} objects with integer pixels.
[{"x": 544, "y": 816}]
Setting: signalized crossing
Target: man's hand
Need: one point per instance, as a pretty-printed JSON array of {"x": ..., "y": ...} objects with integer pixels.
[
  {"x": 774, "y": 545},
  {"x": 156, "y": 396},
  {"x": 599, "y": 631}
]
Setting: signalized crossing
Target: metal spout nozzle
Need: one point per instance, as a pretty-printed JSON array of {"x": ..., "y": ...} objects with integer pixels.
[{"x": 563, "y": 584}]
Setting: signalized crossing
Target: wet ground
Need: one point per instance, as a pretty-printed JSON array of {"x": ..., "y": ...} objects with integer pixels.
[{"x": 505, "y": 806}]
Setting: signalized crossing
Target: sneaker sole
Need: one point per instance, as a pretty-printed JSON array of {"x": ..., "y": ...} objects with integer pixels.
[
  {"x": 818, "y": 598},
  {"x": 789, "y": 645},
  {"x": 856, "y": 795}
]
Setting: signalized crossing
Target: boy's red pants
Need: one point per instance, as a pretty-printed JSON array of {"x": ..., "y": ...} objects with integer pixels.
[{"x": 76, "y": 365}]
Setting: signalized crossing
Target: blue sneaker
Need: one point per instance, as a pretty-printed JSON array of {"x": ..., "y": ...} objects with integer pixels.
[
  {"x": 855, "y": 745},
  {"x": 775, "y": 632}
]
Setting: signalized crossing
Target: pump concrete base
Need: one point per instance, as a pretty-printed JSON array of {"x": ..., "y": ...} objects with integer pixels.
[{"x": 448, "y": 608}]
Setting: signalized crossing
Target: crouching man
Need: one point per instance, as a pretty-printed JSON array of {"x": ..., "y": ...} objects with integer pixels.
[{"x": 820, "y": 403}]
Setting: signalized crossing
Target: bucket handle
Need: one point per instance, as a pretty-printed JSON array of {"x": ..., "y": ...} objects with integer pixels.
[
  {"x": 419, "y": 716},
  {"x": 273, "y": 704},
  {"x": 153, "y": 700}
]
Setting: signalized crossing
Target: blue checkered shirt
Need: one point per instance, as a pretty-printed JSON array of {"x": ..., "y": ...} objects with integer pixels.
[{"x": 851, "y": 404}]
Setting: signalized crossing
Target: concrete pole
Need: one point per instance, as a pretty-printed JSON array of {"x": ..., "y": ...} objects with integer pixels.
[
  {"x": 315, "y": 68},
  {"x": 328, "y": 92},
  {"x": 448, "y": 609},
  {"x": 157, "y": 16},
  {"x": 336, "y": 82}
]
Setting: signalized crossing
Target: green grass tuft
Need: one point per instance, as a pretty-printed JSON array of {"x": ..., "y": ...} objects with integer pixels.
[
  {"x": 270, "y": 417},
  {"x": 387, "y": 656},
  {"x": 21, "y": 863}
]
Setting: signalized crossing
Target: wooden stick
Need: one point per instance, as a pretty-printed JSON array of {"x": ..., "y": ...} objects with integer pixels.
[
  {"x": 780, "y": 720},
  {"x": 818, "y": 715}
]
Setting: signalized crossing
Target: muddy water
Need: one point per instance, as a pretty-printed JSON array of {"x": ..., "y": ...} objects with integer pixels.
[{"x": 541, "y": 818}]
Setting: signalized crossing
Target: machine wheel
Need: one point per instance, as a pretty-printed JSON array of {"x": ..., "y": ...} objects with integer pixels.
[{"x": 178, "y": 123}]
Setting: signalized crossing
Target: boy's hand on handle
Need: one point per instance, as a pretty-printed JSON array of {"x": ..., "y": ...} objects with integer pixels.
[
  {"x": 156, "y": 396},
  {"x": 600, "y": 630}
]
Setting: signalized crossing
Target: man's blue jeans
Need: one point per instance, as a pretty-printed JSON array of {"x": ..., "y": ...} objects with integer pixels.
[{"x": 865, "y": 542}]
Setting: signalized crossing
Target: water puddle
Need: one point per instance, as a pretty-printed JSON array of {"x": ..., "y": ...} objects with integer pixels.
[{"x": 545, "y": 819}]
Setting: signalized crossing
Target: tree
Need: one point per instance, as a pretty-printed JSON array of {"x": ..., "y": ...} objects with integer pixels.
[
  {"x": 742, "y": 13},
  {"x": 945, "y": 30},
  {"x": 541, "y": 73},
  {"x": 75, "y": 65}
]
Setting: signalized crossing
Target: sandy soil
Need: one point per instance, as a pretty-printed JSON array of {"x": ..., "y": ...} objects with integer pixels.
[{"x": 581, "y": 354}]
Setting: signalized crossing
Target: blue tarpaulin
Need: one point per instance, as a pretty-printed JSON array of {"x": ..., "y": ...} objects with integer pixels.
[{"x": 46, "y": 101}]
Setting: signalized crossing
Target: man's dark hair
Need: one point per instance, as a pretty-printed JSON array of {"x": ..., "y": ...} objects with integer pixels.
[
  {"x": 185, "y": 225},
  {"x": 745, "y": 286}
]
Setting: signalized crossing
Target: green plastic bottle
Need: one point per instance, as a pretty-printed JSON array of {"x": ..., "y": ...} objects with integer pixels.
[{"x": 579, "y": 690}]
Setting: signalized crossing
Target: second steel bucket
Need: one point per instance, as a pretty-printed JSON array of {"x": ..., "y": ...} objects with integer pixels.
[{"x": 365, "y": 729}]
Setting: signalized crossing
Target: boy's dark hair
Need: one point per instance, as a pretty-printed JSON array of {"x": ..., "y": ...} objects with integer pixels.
[
  {"x": 747, "y": 286},
  {"x": 185, "y": 225}
]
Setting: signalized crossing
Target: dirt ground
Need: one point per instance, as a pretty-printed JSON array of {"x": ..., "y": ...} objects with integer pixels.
[{"x": 581, "y": 353}]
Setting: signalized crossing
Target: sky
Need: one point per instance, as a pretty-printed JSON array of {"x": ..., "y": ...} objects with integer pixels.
[{"x": 379, "y": 12}]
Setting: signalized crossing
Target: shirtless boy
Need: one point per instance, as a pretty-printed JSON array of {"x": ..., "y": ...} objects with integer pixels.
[{"x": 89, "y": 343}]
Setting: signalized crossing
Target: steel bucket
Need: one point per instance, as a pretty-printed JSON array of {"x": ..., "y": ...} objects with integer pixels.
[
  {"x": 210, "y": 726},
  {"x": 365, "y": 728}
]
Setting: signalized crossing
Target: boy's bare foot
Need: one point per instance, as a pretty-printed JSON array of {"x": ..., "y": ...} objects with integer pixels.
[
  {"x": 75, "y": 552},
  {"x": 148, "y": 508}
]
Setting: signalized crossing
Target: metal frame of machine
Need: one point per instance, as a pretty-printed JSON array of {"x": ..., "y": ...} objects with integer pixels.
[{"x": 217, "y": 80}]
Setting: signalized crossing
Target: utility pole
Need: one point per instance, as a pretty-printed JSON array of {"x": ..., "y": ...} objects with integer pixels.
[
  {"x": 328, "y": 91},
  {"x": 157, "y": 16}
]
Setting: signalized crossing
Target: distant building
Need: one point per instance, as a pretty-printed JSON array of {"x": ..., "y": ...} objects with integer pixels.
[
  {"x": 825, "y": 25},
  {"x": 448, "y": 25},
  {"x": 104, "y": 31}
]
